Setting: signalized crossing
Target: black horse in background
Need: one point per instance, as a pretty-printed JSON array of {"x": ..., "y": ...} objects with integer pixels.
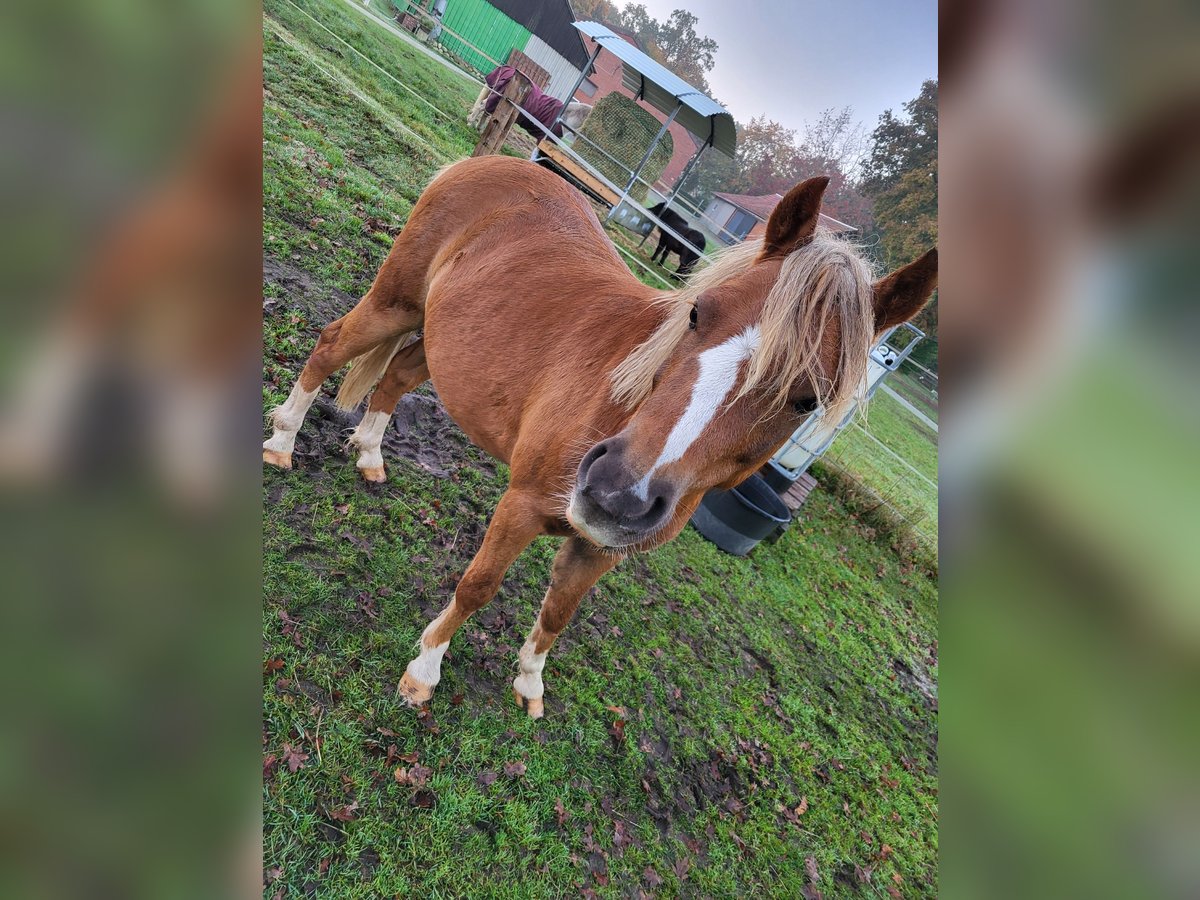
[{"x": 668, "y": 243}]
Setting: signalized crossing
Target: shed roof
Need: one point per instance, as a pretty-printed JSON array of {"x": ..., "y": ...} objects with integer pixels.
[
  {"x": 550, "y": 20},
  {"x": 762, "y": 205},
  {"x": 649, "y": 80}
]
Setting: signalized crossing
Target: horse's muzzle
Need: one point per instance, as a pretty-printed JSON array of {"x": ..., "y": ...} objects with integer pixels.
[{"x": 613, "y": 506}]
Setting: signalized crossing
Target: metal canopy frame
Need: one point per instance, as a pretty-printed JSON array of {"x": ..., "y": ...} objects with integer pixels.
[{"x": 655, "y": 85}]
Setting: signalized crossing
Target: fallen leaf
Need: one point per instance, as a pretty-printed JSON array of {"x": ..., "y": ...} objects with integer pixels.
[
  {"x": 344, "y": 813},
  {"x": 272, "y": 874},
  {"x": 885, "y": 851},
  {"x": 272, "y": 665},
  {"x": 621, "y": 838},
  {"x": 894, "y": 893},
  {"x": 896, "y": 876},
  {"x": 863, "y": 873},
  {"x": 486, "y": 778},
  {"x": 560, "y": 811},
  {"x": 323, "y": 865},
  {"x": 270, "y": 761},
  {"x": 514, "y": 769},
  {"x": 410, "y": 757},
  {"x": 681, "y": 867},
  {"x": 810, "y": 892},
  {"x": 456, "y": 700},
  {"x": 618, "y": 731},
  {"x": 803, "y": 807},
  {"x": 418, "y": 775},
  {"x": 651, "y": 877},
  {"x": 294, "y": 757},
  {"x": 589, "y": 843}
]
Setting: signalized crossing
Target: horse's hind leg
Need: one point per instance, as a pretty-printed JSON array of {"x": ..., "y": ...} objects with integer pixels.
[
  {"x": 515, "y": 523},
  {"x": 406, "y": 370},
  {"x": 577, "y": 566},
  {"x": 368, "y": 325}
]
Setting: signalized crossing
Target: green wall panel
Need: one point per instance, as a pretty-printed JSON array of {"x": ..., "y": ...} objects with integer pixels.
[{"x": 487, "y": 28}]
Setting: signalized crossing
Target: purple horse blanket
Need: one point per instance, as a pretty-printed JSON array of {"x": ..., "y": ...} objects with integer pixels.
[{"x": 541, "y": 106}]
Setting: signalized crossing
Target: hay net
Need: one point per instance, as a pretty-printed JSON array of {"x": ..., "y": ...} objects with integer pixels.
[{"x": 624, "y": 130}]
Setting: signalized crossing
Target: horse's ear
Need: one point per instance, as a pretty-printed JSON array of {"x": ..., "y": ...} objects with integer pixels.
[
  {"x": 901, "y": 295},
  {"x": 794, "y": 221}
]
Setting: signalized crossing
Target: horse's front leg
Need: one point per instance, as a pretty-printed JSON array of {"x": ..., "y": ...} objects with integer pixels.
[
  {"x": 661, "y": 248},
  {"x": 577, "y": 567},
  {"x": 515, "y": 523}
]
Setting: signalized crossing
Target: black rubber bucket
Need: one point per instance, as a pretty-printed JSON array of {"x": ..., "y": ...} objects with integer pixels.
[
  {"x": 777, "y": 477},
  {"x": 737, "y": 520}
]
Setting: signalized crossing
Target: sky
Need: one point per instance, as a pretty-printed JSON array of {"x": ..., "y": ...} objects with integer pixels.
[{"x": 791, "y": 59}]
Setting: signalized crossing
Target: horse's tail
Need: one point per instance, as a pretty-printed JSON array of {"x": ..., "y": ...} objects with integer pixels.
[{"x": 366, "y": 370}]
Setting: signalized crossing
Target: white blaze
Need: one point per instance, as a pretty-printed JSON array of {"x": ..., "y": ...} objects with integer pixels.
[{"x": 717, "y": 375}]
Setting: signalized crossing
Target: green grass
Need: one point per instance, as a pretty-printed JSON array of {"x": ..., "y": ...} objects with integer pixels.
[
  {"x": 879, "y": 476},
  {"x": 904, "y": 382},
  {"x": 746, "y": 687}
]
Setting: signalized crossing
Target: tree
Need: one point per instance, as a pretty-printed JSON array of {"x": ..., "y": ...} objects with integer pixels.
[
  {"x": 900, "y": 176},
  {"x": 685, "y": 52},
  {"x": 675, "y": 43},
  {"x": 901, "y": 145},
  {"x": 766, "y": 158},
  {"x": 835, "y": 146},
  {"x": 838, "y": 139}
]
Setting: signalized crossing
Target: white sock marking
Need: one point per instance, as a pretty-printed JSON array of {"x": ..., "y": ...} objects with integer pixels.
[
  {"x": 719, "y": 367},
  {"x": 427, "y": 666},
  {"x": 529, "y": 682},
  {"x": 368, "y": 437},
  {"x": 288, "y": 418}
]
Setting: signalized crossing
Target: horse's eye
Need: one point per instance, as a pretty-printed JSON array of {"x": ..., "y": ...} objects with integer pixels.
[
  {"x": 692, "y": 319},
  {"x": 804, "y": 407}
]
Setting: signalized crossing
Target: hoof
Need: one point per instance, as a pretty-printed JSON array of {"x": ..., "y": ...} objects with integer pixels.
[
  {"x": 413, "y": 692},
  {"x": 376, "y": 474},
  {"x": 535, "y": 708},
  {"x": 275, "y": 458}
]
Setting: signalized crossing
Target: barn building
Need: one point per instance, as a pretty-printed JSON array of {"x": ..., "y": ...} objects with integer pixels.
[
  {"x": 541, "y": 29},
  {"x": 735, "y": 217}
]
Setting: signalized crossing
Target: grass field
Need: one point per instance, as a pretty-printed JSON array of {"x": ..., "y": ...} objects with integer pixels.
[
  {"x": 715, "y": 726},
  {"x": 882, "y": 476}
]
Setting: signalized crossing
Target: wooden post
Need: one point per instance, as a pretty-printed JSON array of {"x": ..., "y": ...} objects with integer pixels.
[{"x": 501, "y": 120}]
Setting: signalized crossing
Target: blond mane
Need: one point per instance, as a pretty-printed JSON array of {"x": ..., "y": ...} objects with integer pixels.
[{"x": 827, "y": 280}]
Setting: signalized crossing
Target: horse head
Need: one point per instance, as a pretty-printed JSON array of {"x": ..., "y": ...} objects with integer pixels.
[{"x": 754, "y": 344}]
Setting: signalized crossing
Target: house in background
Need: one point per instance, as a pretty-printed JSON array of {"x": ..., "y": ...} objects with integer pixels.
[
  {"x": 735, "y": 217},
  {"x": 541, "y": 29},
  {"x": 606, "y": 78}
]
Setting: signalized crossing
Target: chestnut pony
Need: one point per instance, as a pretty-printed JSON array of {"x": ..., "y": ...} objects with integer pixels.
[{"x": 615, "y": 406}]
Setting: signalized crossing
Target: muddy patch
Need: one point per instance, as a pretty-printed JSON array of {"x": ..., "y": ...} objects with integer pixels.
[
  {"x": 304, "y": 292},
  {"x": 916, "y": 679},
  {"x": 423, "y": 432}
]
